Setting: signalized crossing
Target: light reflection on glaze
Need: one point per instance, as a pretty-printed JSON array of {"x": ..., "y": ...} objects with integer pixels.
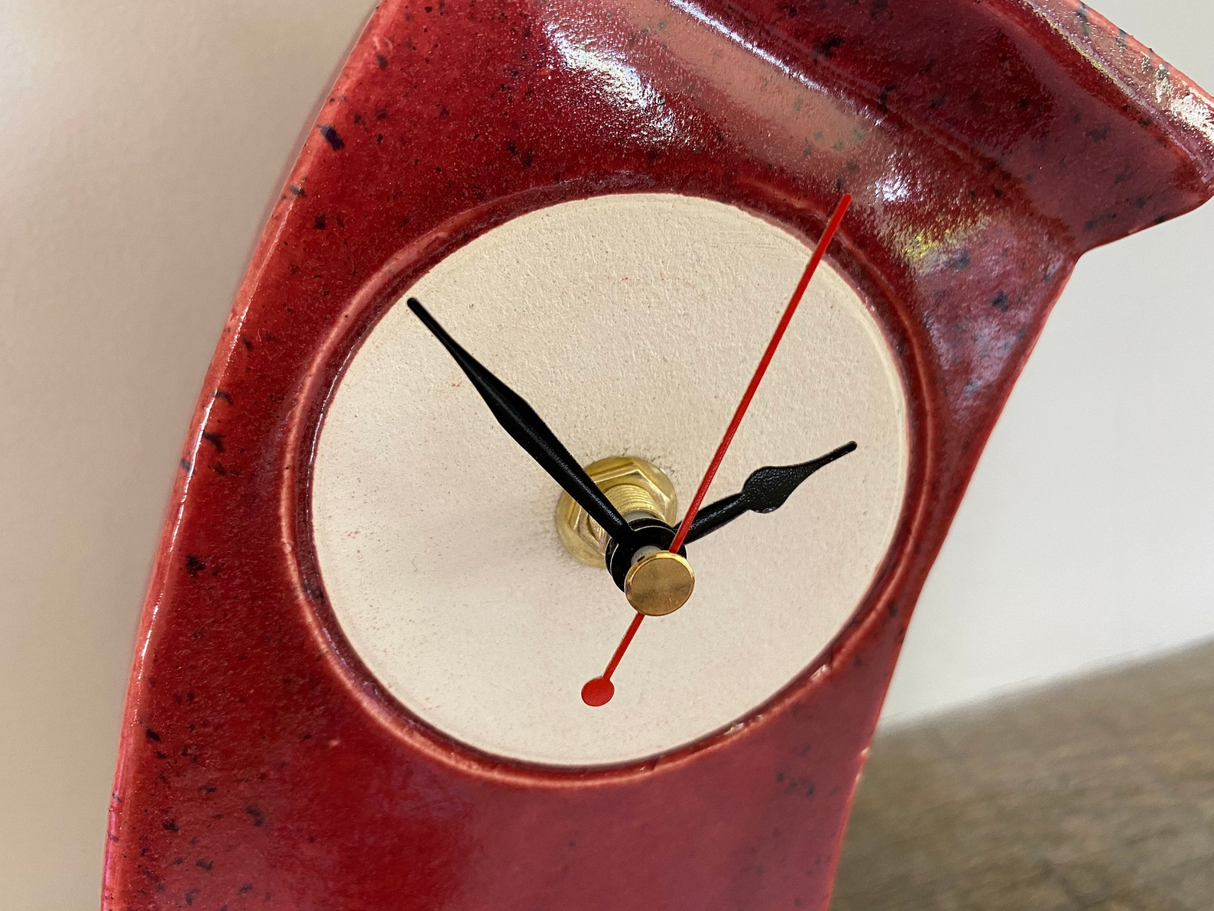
[
  {"x": 931, "y": 246},
  {"x": 894, "y": 187},
  {"x": 1192, "y": 110},
  {"x": 620, "y": 81},
  {"x": 720, "y": 27}
]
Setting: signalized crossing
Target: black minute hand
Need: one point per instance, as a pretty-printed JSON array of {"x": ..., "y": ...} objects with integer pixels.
[
  {"x": 521, "y": 422},
  {"x": 766, "y": 489}
]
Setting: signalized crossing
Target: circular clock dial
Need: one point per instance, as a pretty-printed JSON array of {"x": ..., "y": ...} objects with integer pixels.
[{"x": 631, "y": 324}]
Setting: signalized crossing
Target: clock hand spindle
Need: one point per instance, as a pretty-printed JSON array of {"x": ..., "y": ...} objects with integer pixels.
[
  {"x": 599, "y": 690},
  {"x": 764, "y": 491},
  {"x": 529, "y": 431}
]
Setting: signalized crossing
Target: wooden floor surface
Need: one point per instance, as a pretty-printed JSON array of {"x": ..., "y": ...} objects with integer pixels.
[{"x": 1094, "y": 795}]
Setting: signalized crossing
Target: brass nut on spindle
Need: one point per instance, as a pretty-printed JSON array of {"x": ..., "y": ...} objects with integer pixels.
[
  {"x": 659, "y": 583},
  {"x": 635, "y": 487}
]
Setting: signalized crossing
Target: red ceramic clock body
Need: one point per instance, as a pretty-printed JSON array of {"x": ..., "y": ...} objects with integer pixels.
[{"x": 987, "y": 145}]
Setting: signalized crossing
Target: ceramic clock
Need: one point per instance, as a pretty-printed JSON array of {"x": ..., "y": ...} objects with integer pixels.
[{"x": 597, "y": 399}]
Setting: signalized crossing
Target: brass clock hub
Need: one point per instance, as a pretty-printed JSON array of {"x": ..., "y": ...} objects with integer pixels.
[
  {"x": 636, "y": 487},
  {"x": 659, "y": 583}
]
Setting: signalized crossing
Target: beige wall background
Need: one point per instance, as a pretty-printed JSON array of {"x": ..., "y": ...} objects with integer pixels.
[{"x": 141, "y": 142}]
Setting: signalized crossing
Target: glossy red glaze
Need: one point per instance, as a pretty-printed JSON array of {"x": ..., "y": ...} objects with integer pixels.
[{"x": 987, "y": 144}]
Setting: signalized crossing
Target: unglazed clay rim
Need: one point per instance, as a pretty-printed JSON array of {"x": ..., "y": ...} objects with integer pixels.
[{"x": 376, "y": 297}]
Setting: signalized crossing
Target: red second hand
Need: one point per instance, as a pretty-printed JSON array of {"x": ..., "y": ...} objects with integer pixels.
[{"x": 599, "y": 690}]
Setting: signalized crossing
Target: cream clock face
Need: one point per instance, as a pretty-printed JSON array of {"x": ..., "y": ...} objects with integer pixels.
[{"x": 632, "y": 324}]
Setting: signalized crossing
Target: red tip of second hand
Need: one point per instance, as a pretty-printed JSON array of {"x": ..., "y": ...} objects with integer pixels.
[{"x": 598, "y": 691}]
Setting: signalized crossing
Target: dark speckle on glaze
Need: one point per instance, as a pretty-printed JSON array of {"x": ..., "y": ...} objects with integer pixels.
[
  {"x": 828, "y": 45},
  {"x": 332, "y": 137}
]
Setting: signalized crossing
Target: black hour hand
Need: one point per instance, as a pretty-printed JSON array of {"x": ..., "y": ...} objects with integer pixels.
[
  {"x": 521, "y": 422},
  {"x": 766, "y": 489}
]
